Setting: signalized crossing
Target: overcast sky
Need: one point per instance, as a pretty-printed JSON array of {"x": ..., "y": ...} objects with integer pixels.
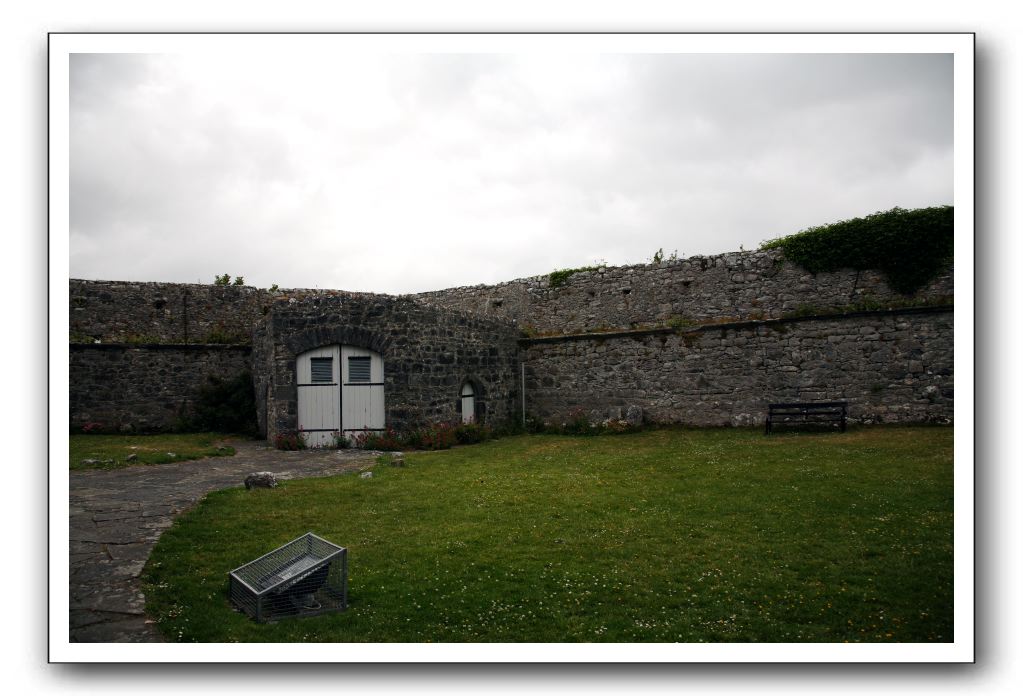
[{"x": 403, "y": 173}]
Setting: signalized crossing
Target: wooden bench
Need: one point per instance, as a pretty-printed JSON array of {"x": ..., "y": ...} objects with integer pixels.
[{"x": 806, "y": 413}]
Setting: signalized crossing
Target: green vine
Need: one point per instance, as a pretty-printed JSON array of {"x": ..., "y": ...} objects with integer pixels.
[
  {"x": 911, "y": 247},
  {"x": 79, "y": 337},
  {"x": 137, "y": 339},
  {"x": 868, "y": 304},
  {"x": 221, "y": 335},
  {"x": 559, "y": 277}
]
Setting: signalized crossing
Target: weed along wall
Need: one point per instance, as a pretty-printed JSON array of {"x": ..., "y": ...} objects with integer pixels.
[
  {"x": 145, "y": 388},
  {"x": 891, "y": 367},
  {"x": 426, "y": 356}
]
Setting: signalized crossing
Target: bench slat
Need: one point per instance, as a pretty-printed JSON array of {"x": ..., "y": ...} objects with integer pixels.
[{"x": 807, "y": 412}]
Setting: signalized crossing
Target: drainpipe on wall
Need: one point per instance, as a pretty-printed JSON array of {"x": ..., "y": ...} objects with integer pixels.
[
  {"x": 523, "y": 365},
  {"x": 184, "y": 313}
]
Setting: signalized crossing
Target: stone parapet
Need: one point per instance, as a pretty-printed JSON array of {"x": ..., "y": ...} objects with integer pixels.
[{"x": 739, "y": 285}]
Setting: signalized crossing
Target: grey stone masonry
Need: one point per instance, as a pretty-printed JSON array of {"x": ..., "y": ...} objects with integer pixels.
[
  {"x": 133, "y": 388},
  {"x": 890, "y": 367},
  {"x": 428, "y": 354},
  {"x": 115, "y": 312},
  {"x": 739, "y": 285}
]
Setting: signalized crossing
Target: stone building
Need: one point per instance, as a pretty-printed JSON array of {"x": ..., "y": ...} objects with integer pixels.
[{"x": 381, "y": 362}]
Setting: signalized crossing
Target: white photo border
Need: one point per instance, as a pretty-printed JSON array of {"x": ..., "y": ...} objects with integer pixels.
[{"x": 961, "y": 45}]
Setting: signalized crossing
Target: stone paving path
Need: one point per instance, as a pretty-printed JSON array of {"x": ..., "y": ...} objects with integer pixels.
[{"x": 117, "y": 516}]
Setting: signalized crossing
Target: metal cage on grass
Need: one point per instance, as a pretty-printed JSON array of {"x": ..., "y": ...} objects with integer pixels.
[{"x": 304, "y": 577}]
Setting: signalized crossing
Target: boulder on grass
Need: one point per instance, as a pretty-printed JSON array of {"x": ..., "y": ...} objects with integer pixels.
[{"x": 260, "y": 479}]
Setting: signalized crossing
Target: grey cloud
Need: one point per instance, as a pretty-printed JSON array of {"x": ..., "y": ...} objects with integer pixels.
[
  {"x": 97, "y": 78},
  {"x": 152, "y": 170},
  {"x": 440, "y": 81},
  {"x": 471, "y": 166}
]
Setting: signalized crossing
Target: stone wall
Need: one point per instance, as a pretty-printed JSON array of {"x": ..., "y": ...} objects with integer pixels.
[
  {"x": 734, "y": 286},
  {"x": 891, "y": 367},
  {"x": 113, "y": 311},
  {"x": 428, "y": 354},
  {"x": 741, "y": 285},
  {"x": 144, "y": 388}
]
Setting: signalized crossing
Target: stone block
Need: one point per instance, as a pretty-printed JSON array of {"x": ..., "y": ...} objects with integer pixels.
[
  {"x": 634, "y": 415},
  {"x": 260, "y": 479}
]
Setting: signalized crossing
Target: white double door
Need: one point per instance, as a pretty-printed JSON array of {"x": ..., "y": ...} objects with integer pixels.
[{"x": 340, "y": 390}]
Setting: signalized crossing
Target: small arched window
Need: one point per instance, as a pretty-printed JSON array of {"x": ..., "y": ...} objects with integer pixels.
[{"x": 468, "y": 403}]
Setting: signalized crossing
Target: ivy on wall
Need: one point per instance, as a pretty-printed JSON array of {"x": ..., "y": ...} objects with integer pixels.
[
  {"x": 559, "y": 277},
  {"x": 911, "y": 247}
]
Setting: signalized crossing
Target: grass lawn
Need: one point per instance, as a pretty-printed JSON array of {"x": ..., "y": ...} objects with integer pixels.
[
  {"x": 671, "y": 535},
  {"x": 112, "y": 451}
]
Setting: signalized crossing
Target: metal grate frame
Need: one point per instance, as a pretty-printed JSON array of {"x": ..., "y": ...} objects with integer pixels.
[{"x": 305, "y": 577}]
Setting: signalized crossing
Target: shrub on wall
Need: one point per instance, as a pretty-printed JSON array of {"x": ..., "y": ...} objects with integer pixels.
[
  {"x": 290, "y": 440},
  {"x": 433, "y": 436},
  {"x": 911, "y": 247},
  {"x": 471, "y": 433},
  {"x": 224, "y": 280},
  {"x": 386, "y": 441},
  {"x": 559, "y": 277},
  {"x": 226, "y": 405},
  {"x": 429, "y": 437}
]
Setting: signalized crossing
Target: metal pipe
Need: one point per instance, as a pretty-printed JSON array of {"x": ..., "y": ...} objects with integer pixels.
[
  {"x": 523, "y": 365},
  {"x": 184, "y": 313}
]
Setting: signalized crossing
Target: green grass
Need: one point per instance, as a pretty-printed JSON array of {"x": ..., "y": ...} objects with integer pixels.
[
  {"x": 715, "y": 535},
  {"x": 112, "y": 451}
]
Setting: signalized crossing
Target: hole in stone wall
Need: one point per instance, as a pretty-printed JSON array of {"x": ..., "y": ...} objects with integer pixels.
[{"x": 626, "y": 291}]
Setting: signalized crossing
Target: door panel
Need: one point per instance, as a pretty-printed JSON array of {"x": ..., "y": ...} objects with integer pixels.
[
  {"x": 319, "y": 413},
  {"x": 362, "y": 390}
]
